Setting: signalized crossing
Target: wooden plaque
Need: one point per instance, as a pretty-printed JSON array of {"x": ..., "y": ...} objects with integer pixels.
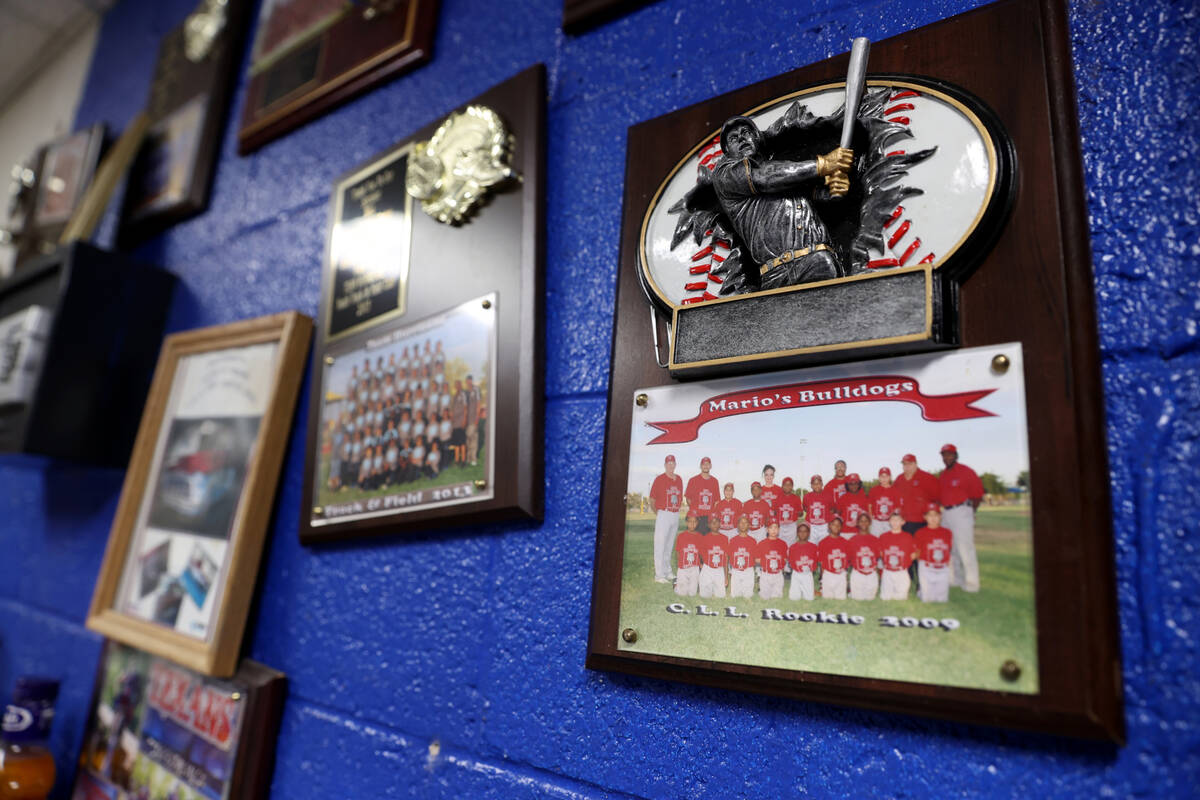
[
  {"x": 410, "y": 321},
  {"x": 313, "y": 55},
  {"x": 1033, "y": 289},
  {"x": 173, "y": 171}
]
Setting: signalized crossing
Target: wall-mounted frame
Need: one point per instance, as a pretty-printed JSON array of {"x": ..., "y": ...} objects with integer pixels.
[
  {"x": 156, "y": 729},
  {"x": 312, "y": 55},
  {"x": 182, "y": 559},
  {"x": 581, "y": 15},
  {"x": 1031, "y": 289},
  {"x": 416, "y": 345},
  {"x": 172, "y": 174}
]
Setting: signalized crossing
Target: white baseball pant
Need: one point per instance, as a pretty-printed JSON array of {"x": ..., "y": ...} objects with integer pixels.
[
  {"x": 666, "y": 525},
  {"x": 833, "y": 585},
  {"x": 712, "y": 581},
  {"x": 770, "y": 586},
  {"x": 802, "y": 586},
  {"x": 741, "y": 582},
  {"x": 961, "y": 522},
  {"x": 934, "y": 583},
  {"x": 817, "y": 532},
  {"x": 879, "y": 527},
  {"x": 863, "y": 587},
  {"x": 687, "y": 582},
  {"x": 758, "y": 534},
  {"x": 894, "y": 585}
]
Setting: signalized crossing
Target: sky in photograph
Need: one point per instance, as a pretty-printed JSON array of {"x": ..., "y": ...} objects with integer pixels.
[{"x": 800, "y": 442}]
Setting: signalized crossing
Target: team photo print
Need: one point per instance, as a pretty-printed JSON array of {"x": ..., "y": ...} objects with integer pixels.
[
  {"x": 868, "y": 520},
  {"x": 405, "y": 420}
]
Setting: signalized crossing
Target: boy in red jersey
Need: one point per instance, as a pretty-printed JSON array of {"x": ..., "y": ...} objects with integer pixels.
[
  {"x": 702, "y": 493},
  {"x": 883, "y": 499},
  {"x": 934, "y": 545},
  {"x": 852, "y": 502},
  {"x": 897, "y": 548},
  {"x": 727, "y": 511},
  {"x": 772, "y": 555},
  {"x": 788, "y": 509},
  {"x": 687, "y": 551},
  {"x": 818, "y": 509},
  {"x": 803, "y": 557},
  {"x": 742, "y": 551},
  {"x": 714, "y": 552},
  {"x": 835, "y": 557},
  {"x": 758, "y": 512},
  {"x": 864, "y": 557}
]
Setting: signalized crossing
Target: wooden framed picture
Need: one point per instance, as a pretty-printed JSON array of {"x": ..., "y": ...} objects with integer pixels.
[
  {"x": 182, "y": 560},
  {"x": 309, "y": 56},
  {"x": 1009, "y": 614},
  {"x": 158, "y": 730},
  {"x": 426, "y": 406},
  {"x": 172, "y": 174}
]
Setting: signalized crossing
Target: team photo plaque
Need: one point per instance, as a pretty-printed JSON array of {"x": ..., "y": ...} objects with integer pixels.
[
  {"x": 836, "y": 451},
  {"x": 427, "y": 401}
]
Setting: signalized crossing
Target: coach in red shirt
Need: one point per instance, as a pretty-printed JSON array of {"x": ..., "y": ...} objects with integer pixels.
[
  {"x": 702, "y": 494},
  {"x": 961, "y": 493},
  {"x": 917, "y": 489}
]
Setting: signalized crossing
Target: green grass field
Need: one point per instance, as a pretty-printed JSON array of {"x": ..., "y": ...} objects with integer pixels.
[
  {"x": 995, "y": 624},
  {"x": 447, "y": 477}
]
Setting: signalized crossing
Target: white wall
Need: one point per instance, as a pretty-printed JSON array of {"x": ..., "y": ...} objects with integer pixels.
[{"x": 44, "y": 110}]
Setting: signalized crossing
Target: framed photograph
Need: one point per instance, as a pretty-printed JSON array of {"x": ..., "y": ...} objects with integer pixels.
[
  {"x": 158, "y": 731},
  {"x": 844, "y": 461},
  {"x": 182, "y": 559},
  {"x": 419, "y": 354},
  {"x": 172, "y": 174},
  {"x": 309, "y": 56},
  {"x": 982, "y": 418}
]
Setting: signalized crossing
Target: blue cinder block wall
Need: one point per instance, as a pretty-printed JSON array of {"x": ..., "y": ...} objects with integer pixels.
[{"x": 451, "y": 664}]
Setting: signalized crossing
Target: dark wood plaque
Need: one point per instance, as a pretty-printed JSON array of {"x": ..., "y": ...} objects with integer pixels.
[
  {"x": 309, "y": 56},
  {"x": 172, "y": 174},
  {"x": 580, "y": 15},
  {"x": 399, "y": 285},
  {"x": 1034, "y": 287}
]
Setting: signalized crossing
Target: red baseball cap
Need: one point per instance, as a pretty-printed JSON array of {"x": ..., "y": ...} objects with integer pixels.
[
  {"x": 884, "y": 471},
  {"x": 728, "y": 485},
  {"x": 814, "y": 478},
  {"x": 931, "y": 506},
  {"x": 706, "y": 458},
  {"x": 949, "y": 448},
  {"x": 669, "y": 460},
  {"x": 908, "y": 457},
  {"x": 691, "y": 515},
  {"x": 789, "y": 480},
  {"x": 852, "y": 477},
  {"x": 754, "y": 485}
]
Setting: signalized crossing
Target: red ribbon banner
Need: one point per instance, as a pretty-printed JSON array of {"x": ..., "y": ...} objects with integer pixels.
[{"x": 934, "y": 407}]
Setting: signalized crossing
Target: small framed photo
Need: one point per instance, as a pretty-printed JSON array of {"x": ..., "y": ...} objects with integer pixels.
[
  {"x": 182, "y": 559},
  {"x": 311, "y": 55},
  {"x": 158, "y": 731}
]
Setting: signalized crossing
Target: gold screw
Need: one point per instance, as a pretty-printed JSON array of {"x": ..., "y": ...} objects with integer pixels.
[
  {"x": 318, "y": 511},
  {"x": 481, "y": 484},
  {"x": 487, "y": 303},
  {"x": 1000, "y": 364},
  {"x": 235, "y": 696},
  {"x": 1010, "y": 670},
  {"x": 329, "y": 361},
  {"x": 629, "y": 635},
  {"x": 642, "y": 399},
  {"x": 369, "y": 13}
]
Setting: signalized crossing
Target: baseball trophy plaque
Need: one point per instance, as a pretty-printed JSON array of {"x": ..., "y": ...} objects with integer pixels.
[
  {"x": 427, "y": 391},
  {"x": 188, "y": 105},
  {"x": 900, "y": 230}
]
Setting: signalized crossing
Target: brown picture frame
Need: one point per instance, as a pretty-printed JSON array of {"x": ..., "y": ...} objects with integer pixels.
[
  {"x": 441, "y": 277},
  {"x": 216, "y": 655},
  {"x": 367, "y": 44},
  {"x": 1033, "y": 287}
]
